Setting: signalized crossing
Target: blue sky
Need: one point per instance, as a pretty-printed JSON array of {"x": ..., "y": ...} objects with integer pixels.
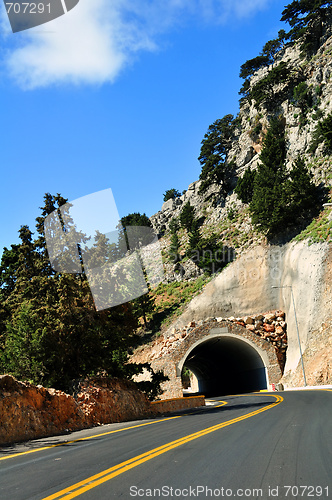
[{"x": 119, "y": 95}]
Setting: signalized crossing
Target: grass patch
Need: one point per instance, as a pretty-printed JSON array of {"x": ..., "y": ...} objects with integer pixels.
[
  {"x": 171, "y": 300},
  {"x": 320, "y": 229}
]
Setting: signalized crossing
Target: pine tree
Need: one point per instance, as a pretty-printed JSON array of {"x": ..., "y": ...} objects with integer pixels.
[
  {"x": 269, "y": 200},
  {"x": 213, "y": 156},
  {"x": 175, "y": 242},
  {"x": 245, "y": 186},
  {"x": 281, "y": 199},
  {"x": 303, "y": 194},
  {"x": 187, "y": 216},
  {"x": 171, "y": 194},
  {"x": 51, "y": 332},
  {"x": 306, "y": 18},
  {"x": 143, "y": 306}
]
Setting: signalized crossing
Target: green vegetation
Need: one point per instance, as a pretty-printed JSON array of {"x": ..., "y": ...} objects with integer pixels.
[
  {"x": 323, "y": 134},
  {"x": 214, "y": 151},
  {"x": 264, "y": 90},
  {"x": 172, "y": 298},
  {"x": 306, "y": 19},
  {"x": 278, "y": 199},
  {"x": 208, "y": 253},
  {"x": 171, "y": 194},
  {"x": 187, "y": 217},
  {"x": 234, "y": 232},
  {"x": 136, "y": 219},
  {"x": 245, "y": 186},
  {"x": 175, "y": 242},
  {"x": 319, "y": 230},
  {"x": 250, "y": 67},
  {"x": 267, "y": 57},
  {"x": 302, "y": 97},
  {"x": 50, "y": 331}
]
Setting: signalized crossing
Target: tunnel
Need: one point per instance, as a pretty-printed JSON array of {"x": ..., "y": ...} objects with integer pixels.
[{"x": 226, "y": 365}]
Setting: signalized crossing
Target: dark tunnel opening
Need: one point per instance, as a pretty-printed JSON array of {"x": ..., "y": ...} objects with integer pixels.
[{"x": 226, "y": 365}]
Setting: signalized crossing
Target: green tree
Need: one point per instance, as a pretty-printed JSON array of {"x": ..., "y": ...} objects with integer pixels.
[
  {"x": 302, "y": 194},
  {"x": 23, "y": 351},
  {"x": 187, "y": 216},
  {"x": 136, "y": 219},
  {"x": 215, "y": 147},
  {"x": 272, "y": 48},
  {"x": 306, "y": 19},
  {"x": 323, "y": 134},
  {"x": 171, "y": 194},
  {"x": 281, "y": 199},
  {"x": 267, "y": 57},
  {"x": 194, "y": 236},
  {"x": 302, "y": 97},
  {"x": 51, "y": 332},
  {"x": 268, "y": 202},
  {"x": 250, "y": 67},
  {"x": 264, "y": 91},
  {"x": 245, "y": 186},
  {"x": 9, "y": 270}
]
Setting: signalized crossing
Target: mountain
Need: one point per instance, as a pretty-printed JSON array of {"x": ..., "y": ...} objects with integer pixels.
[{"x": 289, "y": 84}]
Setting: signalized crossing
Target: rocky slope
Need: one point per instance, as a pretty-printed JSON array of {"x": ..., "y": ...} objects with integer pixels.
[
  {"x": 247, "y": 142},
  {"x": 245, "y": 286}
]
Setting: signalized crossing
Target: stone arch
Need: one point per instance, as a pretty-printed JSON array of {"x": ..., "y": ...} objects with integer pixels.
[{"x": 227, "y": 358}]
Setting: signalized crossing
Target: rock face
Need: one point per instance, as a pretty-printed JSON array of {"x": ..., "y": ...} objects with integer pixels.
[
  {"x": 30, "y": 412},
  {"x": 261, "y": 276},
  {"x": 173, "y": 208},
  {"x": 247, "y": 285},
  {"x": 247, "y": 141}
]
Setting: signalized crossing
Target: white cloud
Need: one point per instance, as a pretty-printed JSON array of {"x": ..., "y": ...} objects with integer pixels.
[{"x": 93, "y": 42}]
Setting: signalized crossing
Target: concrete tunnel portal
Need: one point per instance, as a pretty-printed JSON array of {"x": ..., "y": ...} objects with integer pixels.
[{"x": 226, "y": 364}]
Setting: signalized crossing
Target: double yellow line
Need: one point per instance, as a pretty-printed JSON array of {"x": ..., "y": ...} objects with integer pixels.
[
  {"x": 63, "y": 443},
  {"x": 36, "y": 450},
  {"x": 100, "y": 478}
]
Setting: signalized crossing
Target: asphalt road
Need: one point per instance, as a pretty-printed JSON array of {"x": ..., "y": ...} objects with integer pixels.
[{"x": 249, "y": 446}]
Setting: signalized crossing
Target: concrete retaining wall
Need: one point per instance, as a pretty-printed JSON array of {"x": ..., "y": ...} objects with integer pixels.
[{"x": 169, "y": 405}]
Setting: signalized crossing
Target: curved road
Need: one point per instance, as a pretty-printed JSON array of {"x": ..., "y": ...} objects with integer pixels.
[{"x": 248, "y": 446}]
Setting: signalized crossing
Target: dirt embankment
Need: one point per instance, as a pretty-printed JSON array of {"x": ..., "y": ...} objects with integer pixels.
[{"x": 30, "y": 412}]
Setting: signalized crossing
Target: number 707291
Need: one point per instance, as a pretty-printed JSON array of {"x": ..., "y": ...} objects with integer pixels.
[{"x": 28, "y": 8}]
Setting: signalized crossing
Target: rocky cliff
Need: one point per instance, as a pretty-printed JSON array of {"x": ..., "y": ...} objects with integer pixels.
[{"x": 264, "y": 276}]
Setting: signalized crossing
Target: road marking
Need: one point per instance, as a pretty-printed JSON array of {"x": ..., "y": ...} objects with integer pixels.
[
  {"x": 65, "y": 443},
  {"x": 100, "y": 478},
  {"x": 14, "y": 455}
]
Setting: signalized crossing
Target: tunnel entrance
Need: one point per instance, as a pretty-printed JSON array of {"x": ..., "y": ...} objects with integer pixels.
[{"x": 225, "y": 364}]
